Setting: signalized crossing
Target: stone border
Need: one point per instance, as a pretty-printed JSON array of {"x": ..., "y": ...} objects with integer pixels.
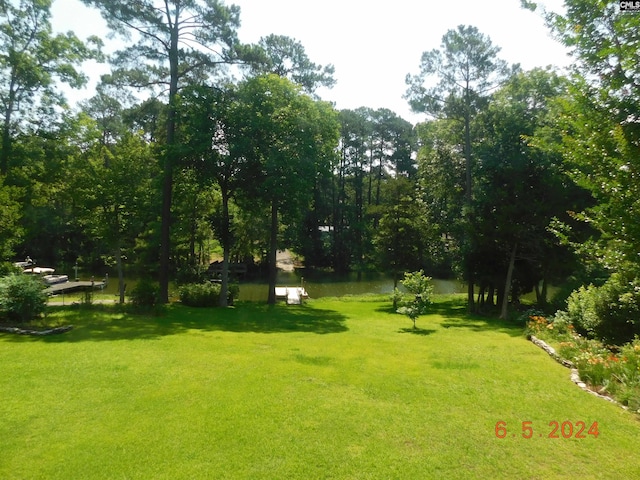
[
  {"x": 37, "y": 333},
  {"x": 575, "y": 376}
]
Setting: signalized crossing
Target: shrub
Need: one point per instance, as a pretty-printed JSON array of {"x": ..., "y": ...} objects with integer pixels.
[
  {"x": 22, "y": 298},
  {"x": 200, "y": 294},
  {"x": 234, "y": 292},
  {"x": 7, "y": 268},
  {"x": 609, "y": 312},
  {"x": 581, "y": 309},
  {"x": 145, "y": 294}
]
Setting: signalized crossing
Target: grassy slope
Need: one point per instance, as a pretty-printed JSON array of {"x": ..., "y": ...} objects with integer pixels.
[{"x": 334, "y": 389}]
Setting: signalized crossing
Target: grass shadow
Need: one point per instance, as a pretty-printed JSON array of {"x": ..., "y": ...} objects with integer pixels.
[
  {"x": 106, "y": 323},
  {"x": 478, "y": 323},
  {"x": 453, "y": 312},
  {"x": 417, "y": 331}
]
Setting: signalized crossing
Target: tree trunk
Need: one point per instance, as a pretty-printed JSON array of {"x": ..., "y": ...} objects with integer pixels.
[
  {"x": 467, "y": 195},
  {"x": 226, "y": 248},
  {"x": 120, "y": 269},
  {"x": 507, "y": 284},
  {"x": 5, "y": 153},
  {"x": 273, "y": 248},
  {"x": 193, "y": 231},
  {"x": 471, "y": 306},
  {"x": 481, "y": 294},
  {"x": 491, "y": 294},
  {"x": 167, "y": 186}
]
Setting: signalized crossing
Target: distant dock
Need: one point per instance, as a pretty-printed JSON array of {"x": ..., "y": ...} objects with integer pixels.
[
  {"x": 67, "y": 287},
  {"x": 293, "y": 295}
]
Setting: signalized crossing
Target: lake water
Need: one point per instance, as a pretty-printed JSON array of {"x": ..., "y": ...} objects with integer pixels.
[
  {"x": 327, "y": 285},
  {"x": 317, "y": 284}
]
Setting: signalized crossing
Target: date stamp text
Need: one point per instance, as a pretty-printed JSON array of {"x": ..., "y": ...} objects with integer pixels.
[{"x": 554, "y": 429}]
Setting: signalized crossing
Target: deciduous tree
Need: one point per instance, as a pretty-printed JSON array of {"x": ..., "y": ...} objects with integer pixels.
[
  {"x": 113, "y": 187},
  {"x": 417, "y": 298},
  {"x": 32, "y": 62},
  {"x": 289, "y": 139}
]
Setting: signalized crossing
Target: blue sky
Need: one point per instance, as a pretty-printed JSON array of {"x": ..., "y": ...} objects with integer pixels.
[{"x": 373, "y": 45}]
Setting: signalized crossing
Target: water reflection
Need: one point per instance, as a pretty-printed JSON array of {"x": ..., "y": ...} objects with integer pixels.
[
  {"x": 323, "y": 284},
  {"x": 318, "y": 284}
]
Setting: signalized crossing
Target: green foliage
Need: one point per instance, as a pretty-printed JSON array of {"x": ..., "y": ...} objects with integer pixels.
[
  {"x": 581, "y": 309},
  {"x": 417, "y": 298},
  {"x": 543, "y": 327},
  {"x": 22, "y": 298},
  {"x": 521, "y": 186},
  {"x": 600, "y": 135},
  {"x": 289, "y": 142},
  {"x": 10, "y": 213},
  {"x": 86, "y": 299},
  {"x": 467, "y": 65},
  {"x": 284, "y": 56},
  {"x": 189, "y": 273},
  {"x": 200, "y": 294},
  {"x": 32, "y": 62},
  {"x": 178, "y": 41},
  {"x": 373, "y": 143},
  {"x": 7, "y": 268},
  {"x": 233, "y": 293},
  {"x": 403, "y": 237},
  {"x": 146, "y": 294},
  {"x": 612, "y": 371},
  {"x": 610, "y": 312},
  {"x": 206, "y": 294}
]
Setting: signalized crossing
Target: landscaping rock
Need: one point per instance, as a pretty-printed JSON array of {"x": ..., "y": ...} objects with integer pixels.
[
  {"x": 551, "y": 351},
  {"x": 575, "y": 376},
  {"x": 37, "y": 333}
]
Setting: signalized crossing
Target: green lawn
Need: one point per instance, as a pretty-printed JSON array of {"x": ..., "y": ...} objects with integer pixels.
[{"x": 337, "y": 388}]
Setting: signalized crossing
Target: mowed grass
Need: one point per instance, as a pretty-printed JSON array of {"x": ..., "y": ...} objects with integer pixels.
[{"x": 337, "y": 388}]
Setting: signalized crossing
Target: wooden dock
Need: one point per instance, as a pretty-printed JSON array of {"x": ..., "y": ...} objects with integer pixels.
[
  {"x": 293, "y": 295},
  {"x": 67, "y": 287}
]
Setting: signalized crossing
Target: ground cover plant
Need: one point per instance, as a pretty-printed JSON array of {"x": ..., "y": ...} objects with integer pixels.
[{"x": 338, "y": 388}]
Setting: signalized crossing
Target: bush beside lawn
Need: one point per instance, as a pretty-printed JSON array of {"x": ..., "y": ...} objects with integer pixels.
[{"x": 337, "y": 388}]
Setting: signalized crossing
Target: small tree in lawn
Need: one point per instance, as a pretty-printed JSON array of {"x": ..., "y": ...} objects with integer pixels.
[{"x": 415, "y": 301}]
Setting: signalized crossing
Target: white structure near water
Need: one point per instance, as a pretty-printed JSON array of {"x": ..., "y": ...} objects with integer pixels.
[{"x": 293, "y": 295}]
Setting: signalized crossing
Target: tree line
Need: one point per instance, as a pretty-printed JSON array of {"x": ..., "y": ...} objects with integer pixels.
[{"x": 516, "y": 180}]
